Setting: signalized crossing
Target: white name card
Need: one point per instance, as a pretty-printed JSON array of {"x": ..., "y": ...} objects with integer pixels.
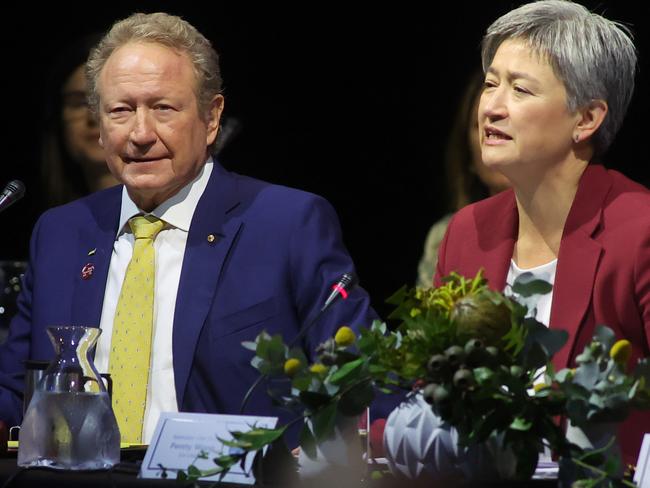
[
  {"x": 642, "y": 473},
  {"x": 180, "y": 437}
]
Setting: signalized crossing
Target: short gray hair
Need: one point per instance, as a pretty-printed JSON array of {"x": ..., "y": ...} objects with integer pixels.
[
  {"x": 167, "y": 30},
  {"x": 594, "y": 57}
]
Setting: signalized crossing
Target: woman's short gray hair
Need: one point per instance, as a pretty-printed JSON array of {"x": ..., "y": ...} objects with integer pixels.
[
  {"x": 594, "y": 57},
  {"x": 167, "y": 30}
]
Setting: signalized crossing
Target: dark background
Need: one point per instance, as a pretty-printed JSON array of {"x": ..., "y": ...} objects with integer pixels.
[{"x": 354, "y": 104}]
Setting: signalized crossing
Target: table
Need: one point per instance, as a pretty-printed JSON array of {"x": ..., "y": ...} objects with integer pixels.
[{"x": 124, "y": 475}]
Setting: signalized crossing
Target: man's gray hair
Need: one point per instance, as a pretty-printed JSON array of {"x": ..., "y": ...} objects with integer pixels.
[
  {"x": 167, "y": 30},
  {"x": 594, "y": 57}
]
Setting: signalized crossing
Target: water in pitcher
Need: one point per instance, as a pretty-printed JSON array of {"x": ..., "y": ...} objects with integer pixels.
[
  {"x": 69, "y": 430},
  {"x": 69, "y": 423}
]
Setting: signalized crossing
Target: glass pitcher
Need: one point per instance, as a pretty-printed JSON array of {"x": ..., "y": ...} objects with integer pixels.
[{"x": 69, "y": 423}]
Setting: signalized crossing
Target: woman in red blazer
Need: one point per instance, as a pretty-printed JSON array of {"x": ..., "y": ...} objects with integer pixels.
[{"x": 558, "y": 80}]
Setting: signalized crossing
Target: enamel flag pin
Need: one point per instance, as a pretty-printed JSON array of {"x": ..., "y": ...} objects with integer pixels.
[{"x": 87, "y": 271}]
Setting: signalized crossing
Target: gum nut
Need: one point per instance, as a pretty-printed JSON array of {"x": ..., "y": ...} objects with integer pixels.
[
  {"x": 440, "y": 395},
  {"x": 455, "y": 354},
  {"x": 463, "y": 378},
  {"x": 516, "y": 371},
  {"x": 473, "y": 345},
  {"x": 428, "y": 392},
  {"x": 436, "y": 363}
]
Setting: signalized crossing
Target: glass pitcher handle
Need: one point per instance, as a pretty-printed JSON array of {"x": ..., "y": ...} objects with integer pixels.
[{"x": 109, "y": 384}]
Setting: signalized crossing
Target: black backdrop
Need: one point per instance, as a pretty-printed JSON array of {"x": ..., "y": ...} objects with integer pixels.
[{"x": 354, "y": 104}]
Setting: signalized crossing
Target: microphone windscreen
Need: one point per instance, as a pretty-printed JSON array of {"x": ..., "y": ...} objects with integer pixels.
[{"x": 13, "y": 191}]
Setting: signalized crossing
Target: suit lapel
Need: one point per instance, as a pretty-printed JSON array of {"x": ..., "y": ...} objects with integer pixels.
[
  {"x": 95, "y": 246},
  {"x": 497, "y": 226},
  {"x": 202, "y": 266},
  {"x": 578, "y": 260}
]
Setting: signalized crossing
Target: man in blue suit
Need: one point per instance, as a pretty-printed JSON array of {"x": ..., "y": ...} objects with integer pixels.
[{"x": 235, "y": 256}]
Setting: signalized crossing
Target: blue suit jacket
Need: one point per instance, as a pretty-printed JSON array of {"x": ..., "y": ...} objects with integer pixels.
[{"x": 276, "y": 254}]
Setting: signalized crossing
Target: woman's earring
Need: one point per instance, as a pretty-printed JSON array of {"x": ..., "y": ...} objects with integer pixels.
[{"x": 576, "y": 138}]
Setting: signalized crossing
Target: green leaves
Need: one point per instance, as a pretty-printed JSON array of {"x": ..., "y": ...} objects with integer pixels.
[
  {"x": 314, "y": 400},
  {"x": 599, "y": 389},
  {"x": 541, "y": 343},
  {"x": 307, "y": 441},
  {"x": 270, "y": 353},
  {"x": 323, "y": 422},
  {"x": 521, "y": 424},
  {"x": 347, "y": 371},
  {"x": 354, "y": 401},
  {"x": 256, "y": 438},
  {"x": 244, "y": 443},
  {"x": 477, "y": 353}
]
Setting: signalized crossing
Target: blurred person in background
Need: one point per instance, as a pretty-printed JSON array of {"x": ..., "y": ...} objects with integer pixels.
[
  {"x": 72, "y": 161},
  {"x": 468, "y": 179}
]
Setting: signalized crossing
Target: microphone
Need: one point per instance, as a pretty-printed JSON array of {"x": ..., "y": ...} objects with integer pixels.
[
  {"x": 13, "y": 192},
  {"x": 341, "y": 288},
  {"x": 347, "y": 282}
]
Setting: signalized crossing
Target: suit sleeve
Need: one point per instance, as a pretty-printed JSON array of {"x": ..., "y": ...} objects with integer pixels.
[
  {"x": 16, "y": 348},
  {"x": 318, "y": 259},
  {"x": 642, "y": 285}
]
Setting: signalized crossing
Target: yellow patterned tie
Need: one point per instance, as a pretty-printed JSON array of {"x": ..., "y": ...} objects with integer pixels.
[{"x": 132, "y": 331}]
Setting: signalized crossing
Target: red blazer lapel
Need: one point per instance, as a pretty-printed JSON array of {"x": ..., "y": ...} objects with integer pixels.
[
  {"x": 497, "y": 227},
  {"x": 481, "y": 236},
  {"x": 578, "y": 260}
]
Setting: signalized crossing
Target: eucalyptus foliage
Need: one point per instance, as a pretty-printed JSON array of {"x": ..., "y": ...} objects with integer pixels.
[{"x": 482, "y": 362}]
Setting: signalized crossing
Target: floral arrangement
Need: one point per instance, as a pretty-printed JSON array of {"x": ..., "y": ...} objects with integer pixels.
[{"x": 478, "y": 358}]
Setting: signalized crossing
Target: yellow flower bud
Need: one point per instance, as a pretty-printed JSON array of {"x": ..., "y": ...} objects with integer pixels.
[
  {"x": 621, "y": 351},
  {"x": 318, "y": 368},
  {"x": 345, "y": 336},
  {"x": 291, "y": 366}
]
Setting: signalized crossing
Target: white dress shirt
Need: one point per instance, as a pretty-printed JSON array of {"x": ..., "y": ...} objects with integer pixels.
[{"x": 169, "y": 247}]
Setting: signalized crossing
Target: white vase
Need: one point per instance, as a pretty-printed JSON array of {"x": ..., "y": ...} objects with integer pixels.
[{"x": 418, "y": 444}]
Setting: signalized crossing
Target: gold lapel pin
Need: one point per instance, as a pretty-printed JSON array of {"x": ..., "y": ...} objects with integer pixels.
[
  {"x": 211, "y": 238},
  {"x": 92, "y": 252}
]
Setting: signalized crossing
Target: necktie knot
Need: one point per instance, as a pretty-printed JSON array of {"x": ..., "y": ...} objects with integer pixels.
[{"x": 145, "y": 226}]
